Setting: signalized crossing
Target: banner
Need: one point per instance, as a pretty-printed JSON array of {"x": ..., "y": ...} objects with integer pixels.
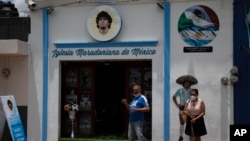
[
  {"x": 2, "y": 121},
  {"x": 9, "y": 108}
]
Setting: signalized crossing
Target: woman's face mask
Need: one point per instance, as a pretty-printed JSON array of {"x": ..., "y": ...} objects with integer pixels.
[{"x": 193, "y": 97}]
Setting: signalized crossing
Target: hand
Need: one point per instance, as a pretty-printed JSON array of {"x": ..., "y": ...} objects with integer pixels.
[
  {"x": 193, "y": 120},
  {"x": 181, "y": 107},
  {"x": 124, "y": 101},
  {"x": 134, "y": 110}
]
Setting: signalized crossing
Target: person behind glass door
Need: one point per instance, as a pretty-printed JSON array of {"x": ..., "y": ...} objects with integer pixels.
[
  {"x": 137, "y": 107},
  {"x": 195, "y": 111},
  {"x": 103, "y": 21}
]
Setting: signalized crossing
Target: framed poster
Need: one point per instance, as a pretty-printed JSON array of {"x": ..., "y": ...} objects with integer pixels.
[{"x": 104, "y": 23}]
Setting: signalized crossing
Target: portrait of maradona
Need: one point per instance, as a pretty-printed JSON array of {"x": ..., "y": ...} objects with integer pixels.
[
  {"x": 104, "y": 23},
  {"x": 10, "y": 105}
]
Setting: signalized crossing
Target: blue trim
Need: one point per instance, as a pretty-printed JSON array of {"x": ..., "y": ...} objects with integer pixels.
[
  {"x": 167, "y": 71},
  {"x": 45, "y": 74},
  {"x": 107, "y": 44}
]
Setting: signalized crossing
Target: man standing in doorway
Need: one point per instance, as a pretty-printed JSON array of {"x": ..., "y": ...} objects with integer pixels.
[
  {"x": 138, "y": 106},
  {"x": 184, "y": 94}
]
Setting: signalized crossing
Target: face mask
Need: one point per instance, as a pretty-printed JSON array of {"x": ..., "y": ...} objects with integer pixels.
[
  {"x": 136, "y": 94},
  {"x": 193, "y": 97}
]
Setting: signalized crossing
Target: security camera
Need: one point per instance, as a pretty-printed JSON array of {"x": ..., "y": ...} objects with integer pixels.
[
  {"x": 6, "y": 72},
  {"x": 31, "y": 4}
]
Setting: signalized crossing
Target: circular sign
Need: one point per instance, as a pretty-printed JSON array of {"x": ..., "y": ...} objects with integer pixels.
[
  {"x": 198, "y": 25},
  {"x": 104, "y": 23}
]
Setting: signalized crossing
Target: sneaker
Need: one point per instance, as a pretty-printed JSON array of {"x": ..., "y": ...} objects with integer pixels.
[{"x": 180, "y": 138}]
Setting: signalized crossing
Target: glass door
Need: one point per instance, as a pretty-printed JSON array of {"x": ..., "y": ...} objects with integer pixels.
[
  {"x": 141, "y": 73},
  {"x": 77, "y": 87}
]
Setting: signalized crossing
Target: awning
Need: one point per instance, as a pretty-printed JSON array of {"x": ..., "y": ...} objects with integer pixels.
[{"x": 13, "y": 47}]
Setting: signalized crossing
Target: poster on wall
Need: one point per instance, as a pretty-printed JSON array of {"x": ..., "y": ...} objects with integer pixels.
[
  {"x": 9, "y": 109},
  {"x": 104, "y": 23},
  {"x": 198, "y": 26}
]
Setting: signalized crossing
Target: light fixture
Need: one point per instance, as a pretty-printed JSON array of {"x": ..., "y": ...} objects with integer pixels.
[
  {"x": 6, "y": 72},
  {"x": 224, "y": 80},
  {"x": 160, "y": 5},
  {"x": 234, "y": 70},
  {"x": 233, "y": 78},
  {"x": 50, "y": 10}
]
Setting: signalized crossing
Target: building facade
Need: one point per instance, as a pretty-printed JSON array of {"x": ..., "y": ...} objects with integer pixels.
[{"x": 149, "y": 42}]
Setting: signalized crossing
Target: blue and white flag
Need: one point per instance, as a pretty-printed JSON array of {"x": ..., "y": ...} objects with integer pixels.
[{"x": 198, "y": 25}]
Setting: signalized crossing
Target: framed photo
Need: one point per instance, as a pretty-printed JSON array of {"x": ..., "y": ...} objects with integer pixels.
[{"x": 104, "y": 23}]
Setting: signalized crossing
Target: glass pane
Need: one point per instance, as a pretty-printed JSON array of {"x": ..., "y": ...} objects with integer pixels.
[
  {"x": 147, "y": 77},
  {"x": 85, "y": 125},
  {"x": 71, "y": 97},
  {"x": 71, "y": 77},
  {"x": 134, "y": 76},
  {"x": 86, "y": 77},
  {"x": 85, "y": 102}
]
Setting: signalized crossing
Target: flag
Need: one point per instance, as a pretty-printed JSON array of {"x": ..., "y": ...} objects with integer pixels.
[{"x": 198, "y": 25}]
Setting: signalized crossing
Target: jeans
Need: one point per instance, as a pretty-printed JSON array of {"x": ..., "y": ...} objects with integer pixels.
[{"x": 136, "y": 129}]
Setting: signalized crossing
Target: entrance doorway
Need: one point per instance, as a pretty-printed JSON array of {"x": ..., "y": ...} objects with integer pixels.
[
  {"x": 109, "y": 91},
  {"x": 99, "y": 87}
]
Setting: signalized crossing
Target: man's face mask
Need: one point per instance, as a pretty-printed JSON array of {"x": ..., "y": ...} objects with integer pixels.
[{"x": 136, "y": 92}]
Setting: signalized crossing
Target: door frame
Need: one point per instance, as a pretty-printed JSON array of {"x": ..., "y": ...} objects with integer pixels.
[{"x": 93, "y": 63}]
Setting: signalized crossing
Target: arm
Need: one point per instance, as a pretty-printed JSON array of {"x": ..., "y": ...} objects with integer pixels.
[
  {"x": 201, "y": 114},
  {"x": 176, "y": 103},
  {"x": 202, "y": 111},
  {"x": 125, "y": 102},
  {"x": 144, "y": 109},
  {"x": 185, "y": 110}
]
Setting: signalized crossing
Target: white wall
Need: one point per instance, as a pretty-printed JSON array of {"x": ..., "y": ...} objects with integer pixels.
[
  {"x": 16, "y": 83},
  {"x": 208, "y": 69},
  {"x": 139, "y": 23},
  {"x": 35, "y": 78},
  {"x": 68, "y": 24}
]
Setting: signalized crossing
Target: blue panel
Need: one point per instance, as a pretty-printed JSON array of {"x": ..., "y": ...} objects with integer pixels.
[
  {"x": 167, "y": 71},
  {"x": 45, "y": 74},
  {"x": 242, "y": 61},
  {"x": 107, "y": 44}
]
